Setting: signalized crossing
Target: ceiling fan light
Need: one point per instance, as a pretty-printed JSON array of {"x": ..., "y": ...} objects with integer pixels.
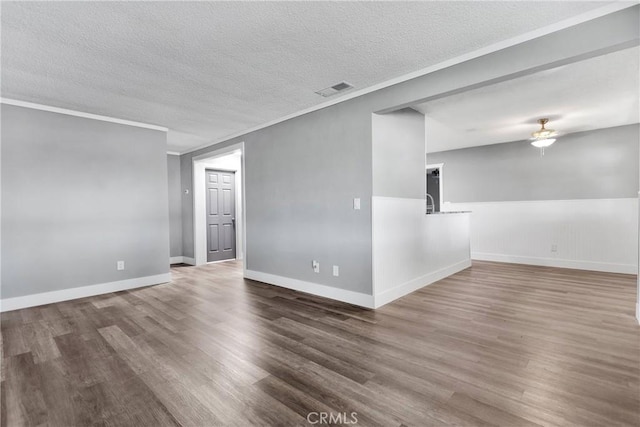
[
  {"x": 542, "y": 143},
  {"x": 543, "y": 134}
]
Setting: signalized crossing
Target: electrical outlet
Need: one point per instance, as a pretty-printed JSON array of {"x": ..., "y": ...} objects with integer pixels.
[
  {"x": 554, "y": 248},
  {"x": 120, "y": 265},
  {"x": 316, "y": 266},
  {"x": 336, "y": 270}
]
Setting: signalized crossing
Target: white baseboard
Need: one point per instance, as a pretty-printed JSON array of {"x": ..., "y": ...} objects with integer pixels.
[
  {"x": 557, "y": 262},
  {"x": 422, "y": 281},
  {"x": 33, "y": 300},
  {"x": 355, "y": 298},
  {"x": 182, "y": 260}
]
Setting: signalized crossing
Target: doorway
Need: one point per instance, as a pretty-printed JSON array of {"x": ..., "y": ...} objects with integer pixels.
[
  {"x": 221, "y": 215},
  {"x": 228, "y": 161},
  {"x": 434, "y": 187}
]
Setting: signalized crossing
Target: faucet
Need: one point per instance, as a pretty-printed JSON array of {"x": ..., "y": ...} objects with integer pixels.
[{"x": 433, "y": 203}]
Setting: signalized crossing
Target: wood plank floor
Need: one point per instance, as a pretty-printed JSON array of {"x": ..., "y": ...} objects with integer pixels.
[{"x": 496, "y": 344}]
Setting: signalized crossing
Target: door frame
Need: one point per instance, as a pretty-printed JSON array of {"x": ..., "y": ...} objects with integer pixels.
[
  {"x": 440, "y": 167},
  {"x": 198, "y": 166}
]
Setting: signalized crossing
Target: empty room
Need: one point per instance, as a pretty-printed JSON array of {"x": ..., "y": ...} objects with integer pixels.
[{"x": 319, "y": 213}]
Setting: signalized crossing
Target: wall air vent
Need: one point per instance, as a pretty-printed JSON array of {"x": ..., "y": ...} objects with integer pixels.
[{"x": 336, "y": 88}]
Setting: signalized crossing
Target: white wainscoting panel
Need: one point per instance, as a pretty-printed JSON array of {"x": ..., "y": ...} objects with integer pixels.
[
  {"x": 412, "y": 249},
  {"x": 594, "y": 234}
]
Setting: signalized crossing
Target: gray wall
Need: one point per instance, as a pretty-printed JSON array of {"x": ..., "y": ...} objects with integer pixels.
[
  {"x": 77, "y": 196},
  {"x": 300, "y": 180},
  {"x": 597, "y": 164},
  {"x": 302, "y": 174},
  {"x": 175, "y": 205},
  {"x": 398, "y": 154}
]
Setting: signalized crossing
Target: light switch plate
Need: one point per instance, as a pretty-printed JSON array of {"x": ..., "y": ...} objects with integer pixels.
[{"x": 356, "y": 204}]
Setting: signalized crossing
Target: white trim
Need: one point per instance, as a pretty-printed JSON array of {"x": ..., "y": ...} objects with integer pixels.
[
  {"x": 540, "y": 32},
  {"x": 555, "y": 262},
  {"x": 420, "y": 282},
  {"x": 355, "y": 298},
  {"x": 638, "y": 312},
  {"x": 222, "y": 260},
  {"x": 243, "y": 255},
  {"x": 181, "y": 260},
  {"x": 374, "y": 237},
  {"x": 220, "y": 152},
  {"x": 434, "y": 165},
  {"x": 51, "y": 109},
  {"x": 539, "y": 201},
  {"x": 81, "y": 292},
  {"x": 173, "y": 153}
]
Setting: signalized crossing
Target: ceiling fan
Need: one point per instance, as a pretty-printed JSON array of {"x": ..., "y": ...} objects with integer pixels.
[{"x": 543, "y": 137}]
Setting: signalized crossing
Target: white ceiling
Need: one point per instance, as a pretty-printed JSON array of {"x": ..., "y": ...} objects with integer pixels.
[
  {"x": 596, "y": 93},
  {"x": 209, "y": 69}
]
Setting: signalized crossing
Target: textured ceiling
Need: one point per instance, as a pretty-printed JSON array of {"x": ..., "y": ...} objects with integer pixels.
[
  {"x": 597, "y": 93},
  {"x": 210, "y": 69}
]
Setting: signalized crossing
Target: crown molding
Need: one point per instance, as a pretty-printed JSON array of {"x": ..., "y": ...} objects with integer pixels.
[{"x": 82, "y": 114}]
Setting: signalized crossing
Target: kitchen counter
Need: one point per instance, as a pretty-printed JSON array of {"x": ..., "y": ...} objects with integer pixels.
[{"x": 448, "y": 212}]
